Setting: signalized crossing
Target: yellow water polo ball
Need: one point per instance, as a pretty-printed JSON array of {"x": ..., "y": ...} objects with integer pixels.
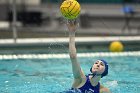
[
  {"x": 70, "y": 9},
  {"x": 116, "y": 46}
]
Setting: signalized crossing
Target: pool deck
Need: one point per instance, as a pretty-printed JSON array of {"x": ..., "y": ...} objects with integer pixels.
[
  {"x": 39, "y": 47},
  {"x": 64, "y": 40}
]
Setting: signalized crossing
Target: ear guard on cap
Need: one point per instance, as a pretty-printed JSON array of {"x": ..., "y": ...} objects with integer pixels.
[{"x": 106, "y": 68}]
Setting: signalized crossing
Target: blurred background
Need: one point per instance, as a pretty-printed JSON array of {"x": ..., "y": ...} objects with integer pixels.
[
  {"x": 25, "y": 22},
  {"x": 42, "y": 18}
]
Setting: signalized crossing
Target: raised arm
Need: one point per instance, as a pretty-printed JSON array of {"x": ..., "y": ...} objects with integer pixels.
[{"x": 77, "y": 71}]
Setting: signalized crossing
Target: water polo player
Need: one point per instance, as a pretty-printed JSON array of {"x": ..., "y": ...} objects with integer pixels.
[{"x": 85, "y": 83}]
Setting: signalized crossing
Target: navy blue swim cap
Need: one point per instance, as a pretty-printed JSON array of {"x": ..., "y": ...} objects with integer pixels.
[{"x": 105, "y": 71}]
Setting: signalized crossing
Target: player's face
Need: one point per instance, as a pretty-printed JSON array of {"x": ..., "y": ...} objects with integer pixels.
[{"x": 98, "y": 67}]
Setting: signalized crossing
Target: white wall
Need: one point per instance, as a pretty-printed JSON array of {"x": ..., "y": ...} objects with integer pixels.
[{"x": 28, "y": 2}]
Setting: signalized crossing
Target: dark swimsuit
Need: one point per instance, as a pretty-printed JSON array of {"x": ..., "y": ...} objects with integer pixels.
[{"x": 87, "y": 87}]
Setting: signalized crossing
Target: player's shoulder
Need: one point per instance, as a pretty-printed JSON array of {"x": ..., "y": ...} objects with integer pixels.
[{"x": 104, "y": 89}]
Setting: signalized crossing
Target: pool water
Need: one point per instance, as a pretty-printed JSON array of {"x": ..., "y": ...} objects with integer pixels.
[{"x": 54, "y": 75}]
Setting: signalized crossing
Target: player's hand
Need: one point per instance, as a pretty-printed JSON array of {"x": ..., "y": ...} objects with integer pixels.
[{"x": 72, "y": 25}]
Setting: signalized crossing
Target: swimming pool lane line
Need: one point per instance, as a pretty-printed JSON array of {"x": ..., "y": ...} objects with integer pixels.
[
  {"x": 47, "y": 56},
  {"x": 65, "y": 40}
]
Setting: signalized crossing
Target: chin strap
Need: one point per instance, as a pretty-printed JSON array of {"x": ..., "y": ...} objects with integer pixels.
[{"x": 95, "y": 74}]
